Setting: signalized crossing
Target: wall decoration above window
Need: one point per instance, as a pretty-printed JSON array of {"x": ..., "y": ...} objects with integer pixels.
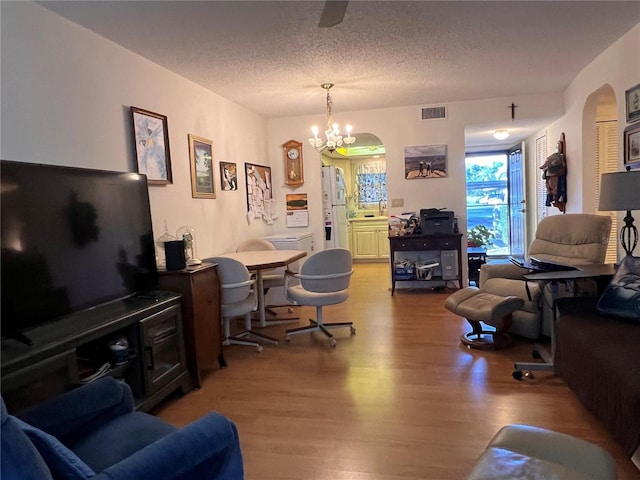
[
  {"x": 427, "y": 161},
  {"x": 632, "y": 98},
  {"x": 201, "y": 161},
  {"x": 152, "y": 146},
  {"x": 228, "y": 176},
  {"x": 260, "y": 202}
]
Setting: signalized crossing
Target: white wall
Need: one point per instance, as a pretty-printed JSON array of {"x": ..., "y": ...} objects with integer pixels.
[{"x": 66, "y": 94}]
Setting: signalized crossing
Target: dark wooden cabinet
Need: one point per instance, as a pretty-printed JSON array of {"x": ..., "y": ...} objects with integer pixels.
[
  {"x": 201, "y": 313},
  {"x": 444, "y": 248},
  {"x": 60, "y": 349}
]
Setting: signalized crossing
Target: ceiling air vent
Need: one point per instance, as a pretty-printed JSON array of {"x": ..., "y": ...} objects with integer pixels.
[{"x": 431, "y": 113}]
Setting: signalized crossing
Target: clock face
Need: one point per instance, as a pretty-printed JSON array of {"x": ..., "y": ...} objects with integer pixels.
[{"x": 293, "y": 153}]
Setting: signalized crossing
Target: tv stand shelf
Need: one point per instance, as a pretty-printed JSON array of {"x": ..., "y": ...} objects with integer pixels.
[{"x": 49, "y": 366}]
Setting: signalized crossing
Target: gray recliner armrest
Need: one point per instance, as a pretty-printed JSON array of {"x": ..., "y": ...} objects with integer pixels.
[{"x": 501, "y": 270}]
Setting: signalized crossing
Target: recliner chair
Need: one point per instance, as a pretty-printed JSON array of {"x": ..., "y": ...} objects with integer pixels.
[
  {"x": 93, "y": 432},
  {"x": 575, "y": 239}
]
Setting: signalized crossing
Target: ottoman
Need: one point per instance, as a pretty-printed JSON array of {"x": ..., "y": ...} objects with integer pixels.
[
  {"x": 478, "y": 306},
  {"x": 532, "y": 453}
]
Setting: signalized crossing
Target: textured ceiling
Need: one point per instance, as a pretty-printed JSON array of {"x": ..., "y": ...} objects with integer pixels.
[{"x": 271, "y": 56}]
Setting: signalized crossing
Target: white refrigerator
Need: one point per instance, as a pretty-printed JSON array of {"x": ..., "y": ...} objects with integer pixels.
[{"x": 334, "y": 207}]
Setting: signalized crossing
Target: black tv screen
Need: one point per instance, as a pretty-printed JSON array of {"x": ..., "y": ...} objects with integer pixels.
[{"x": 72, "y": 239}]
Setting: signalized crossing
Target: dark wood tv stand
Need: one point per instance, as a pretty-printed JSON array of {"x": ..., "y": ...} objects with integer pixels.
[{"x": 54, "y": 362}]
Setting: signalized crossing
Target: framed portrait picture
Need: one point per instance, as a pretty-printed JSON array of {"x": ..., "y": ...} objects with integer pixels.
[
  {"x": 426, "y": 161},
  {"x": 201, "y": 162},
  {"x": 152, "y": 146},
  {"x": 228, "y": 176},
  {"x": 259, "y": 192},
  {"x": 632, "y": 99},
  {"x": 632, "y": 145}
]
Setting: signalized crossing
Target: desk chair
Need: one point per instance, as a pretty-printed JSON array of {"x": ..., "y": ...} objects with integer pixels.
[
  {"x": 323, "y": 280},
  {"x": 270, "y": 279},
  {"x": 238, "y": 298}
]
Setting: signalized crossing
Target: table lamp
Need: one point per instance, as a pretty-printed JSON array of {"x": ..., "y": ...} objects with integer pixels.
[{"x": 620, "y": 191}]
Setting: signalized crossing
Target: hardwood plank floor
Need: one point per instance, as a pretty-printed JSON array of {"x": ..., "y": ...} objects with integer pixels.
[{"x": 402, "y": 399}]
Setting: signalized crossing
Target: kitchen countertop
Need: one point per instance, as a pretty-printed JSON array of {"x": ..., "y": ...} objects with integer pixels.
[{"x": 369, "y": 219}]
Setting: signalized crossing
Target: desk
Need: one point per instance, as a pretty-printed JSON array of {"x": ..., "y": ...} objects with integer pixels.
[
  {"x": 597, "y": 271},
  {"x": 265, "y": 260}
]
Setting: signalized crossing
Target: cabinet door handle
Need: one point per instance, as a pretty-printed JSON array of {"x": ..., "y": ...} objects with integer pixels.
[{"x": 148, "y": 356}]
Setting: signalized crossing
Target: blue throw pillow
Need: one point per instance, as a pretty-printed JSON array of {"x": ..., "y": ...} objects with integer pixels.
[
  {"x": 622, "y": 296},
  {"x": 62, "y": 462}
]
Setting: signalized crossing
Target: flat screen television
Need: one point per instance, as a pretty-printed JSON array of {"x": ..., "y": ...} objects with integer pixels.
[{"x": 72, "y": 239}]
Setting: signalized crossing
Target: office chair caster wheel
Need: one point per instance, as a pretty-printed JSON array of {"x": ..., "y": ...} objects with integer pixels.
[
  {"x": 535, "y": 354},
  {"x": 259, "y": 348},
  {"x": 517, "y": 374},
  {"x": 332, "y": 343},
  {"x": 353, "y": 330}
]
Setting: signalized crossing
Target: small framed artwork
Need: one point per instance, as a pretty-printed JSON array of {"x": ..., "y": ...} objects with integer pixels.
[
  {"x": 201, "y": 161},
  {"x": 152, "y": 146},
  {"x": 632, "y": 99},
  {"x": 632, "y": 145},
  {"x": 426, "y": 161},
  {"x": 228, "y": 176}
]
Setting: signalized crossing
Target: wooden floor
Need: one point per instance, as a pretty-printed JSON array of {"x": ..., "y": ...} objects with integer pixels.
[{"x": 402, "y": 399}]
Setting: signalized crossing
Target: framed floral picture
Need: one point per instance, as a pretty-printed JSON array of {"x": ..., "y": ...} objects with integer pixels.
[
  {"x": 152, "y": 146},
  {"x": 201, "y": 162},
  {"x": 228, "y": 176},
  {"x": 632, "y": 145}
]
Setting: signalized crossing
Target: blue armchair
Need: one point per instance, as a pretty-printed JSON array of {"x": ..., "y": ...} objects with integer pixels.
[{"x": 94, "y": 432}]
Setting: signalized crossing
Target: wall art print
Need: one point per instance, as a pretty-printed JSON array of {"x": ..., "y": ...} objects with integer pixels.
[
  {"x": 260, "y": 202},
  {"x": 632, "y": 145},
  {"x": 632, "y": 100},
  {"x": 426, "y": 161},
  {"x": 228, "y": 176},
  {"x": 201, "y": 162},
  {"x": 152, "y": 146}
]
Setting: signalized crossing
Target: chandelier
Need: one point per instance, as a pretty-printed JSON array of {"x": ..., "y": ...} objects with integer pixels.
[{"x": 333, "y": 137}]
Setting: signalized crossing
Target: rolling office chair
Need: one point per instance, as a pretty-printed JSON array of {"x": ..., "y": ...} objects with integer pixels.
[
  {"x": 238, "y": 298},
  {"x": 270, "y": 279},
  {"x": 323, "y": 280}
]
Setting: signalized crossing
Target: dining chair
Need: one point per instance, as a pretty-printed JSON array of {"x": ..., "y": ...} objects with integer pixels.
[
  {"x": 272, "y": 278},
  {"x": 238, "y": 299},
  {"x": 323, "y": 280}
]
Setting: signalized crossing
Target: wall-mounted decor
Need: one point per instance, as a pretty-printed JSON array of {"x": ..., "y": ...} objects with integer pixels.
[
  {"x": 297, "y": 210},
  {"x": 201, "y": 161},
  {"x": 632, "y": 145},
  {"x": 228, "y": 176},
  {"x": 294, "y": 175},
  {"x": 152, "y": 146},
  {"x": 632, "y": 98},
  {"x": 260, "y": 202},
  {"x": 426, "y": 161}
]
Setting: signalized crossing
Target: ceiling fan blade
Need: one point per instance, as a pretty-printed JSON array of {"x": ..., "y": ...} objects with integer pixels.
[{"x": 333, "y": 13}]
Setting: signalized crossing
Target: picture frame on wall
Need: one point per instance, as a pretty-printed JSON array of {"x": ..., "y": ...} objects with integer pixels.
[
  {"x": 201, "y": 163},
  {"x": 151, "y": 136},
  {"x": 632, "y": 146},
  {"x": 632, "y": 101},
  {"x": 425, "y": 161},
  {"x": 228, "y": 176}
]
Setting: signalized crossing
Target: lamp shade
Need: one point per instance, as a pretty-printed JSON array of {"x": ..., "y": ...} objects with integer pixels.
[{"x": 620, "y": 191}]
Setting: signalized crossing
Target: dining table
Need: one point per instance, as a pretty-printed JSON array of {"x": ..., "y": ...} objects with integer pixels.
[{"x": 260, "y": 260}]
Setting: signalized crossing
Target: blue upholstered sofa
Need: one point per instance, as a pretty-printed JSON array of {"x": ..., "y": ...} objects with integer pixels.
[{"x": 94, "y": 432}]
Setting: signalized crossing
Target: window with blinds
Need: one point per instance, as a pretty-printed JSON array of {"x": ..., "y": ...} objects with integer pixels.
[
  {"x": 606, "y": 149},
  {"x": 541, "y": 187}
]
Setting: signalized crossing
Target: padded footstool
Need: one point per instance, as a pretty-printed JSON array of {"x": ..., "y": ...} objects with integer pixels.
[
  {"x": 477, "y": 306},
  {"x": 532, "y": 453}
]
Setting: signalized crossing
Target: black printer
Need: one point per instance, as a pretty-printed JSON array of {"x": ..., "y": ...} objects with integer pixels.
[{"x": 434, "y": 221}]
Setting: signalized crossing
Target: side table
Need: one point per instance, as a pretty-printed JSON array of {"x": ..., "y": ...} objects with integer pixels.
[
  {"x": 201, "y": 313},
  {"x": 476, "y": 257}
]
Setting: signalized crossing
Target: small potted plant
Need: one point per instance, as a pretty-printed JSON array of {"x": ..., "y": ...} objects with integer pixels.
[{"x": 480, "y": 236}]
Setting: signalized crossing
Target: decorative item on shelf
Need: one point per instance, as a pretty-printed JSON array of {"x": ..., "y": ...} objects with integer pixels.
[
  {"x": 160, "y": 241},
  {"x": 333, "y": 137},
  {"x": 619, "y": 192},
  {"x": 480, "y": 236},
  {"x": 188, "y": 235},
  {"x": 294, "y": 175}
]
